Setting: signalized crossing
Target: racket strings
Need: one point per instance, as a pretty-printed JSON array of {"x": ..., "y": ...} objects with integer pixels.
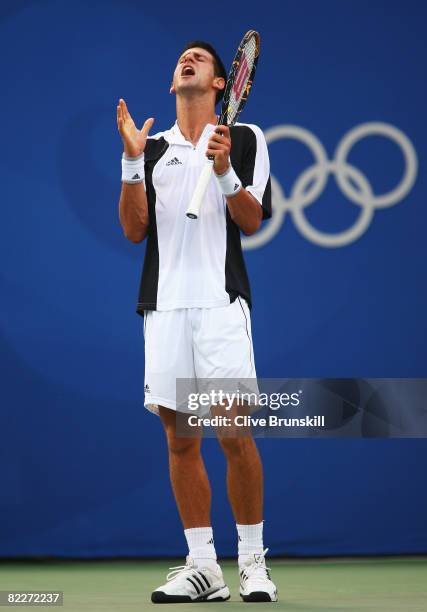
[{"x": 240, "y": 88}]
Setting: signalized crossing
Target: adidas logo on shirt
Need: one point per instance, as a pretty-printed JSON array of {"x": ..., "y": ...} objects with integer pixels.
[{"x": 174, "y": 162}]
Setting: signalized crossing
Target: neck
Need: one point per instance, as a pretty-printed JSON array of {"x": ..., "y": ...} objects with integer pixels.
[{"x": 193, "y": 113}]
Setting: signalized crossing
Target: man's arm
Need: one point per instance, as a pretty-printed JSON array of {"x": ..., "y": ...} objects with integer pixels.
[
  {"x": 133, "y": 206},
  {"x": 245, "y": 211},
  {"x": 244, "y": 208},
  {"x": 133, "y": 212}
]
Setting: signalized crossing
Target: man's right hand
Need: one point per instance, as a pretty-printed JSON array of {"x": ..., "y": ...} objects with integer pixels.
[{"x": 133, "y": 139}]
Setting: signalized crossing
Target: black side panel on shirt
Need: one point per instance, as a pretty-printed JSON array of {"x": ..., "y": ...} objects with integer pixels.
[
  {"x": 147, "y": 300},
  {"x": 242, "y": 157},
  {"x": 236, "y": 277}
]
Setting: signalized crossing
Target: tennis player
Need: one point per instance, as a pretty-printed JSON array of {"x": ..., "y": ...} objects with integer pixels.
[{"x": 195, "y": 298}]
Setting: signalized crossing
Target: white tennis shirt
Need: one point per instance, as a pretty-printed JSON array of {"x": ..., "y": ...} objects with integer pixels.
[{"x": 197, "y": 263}]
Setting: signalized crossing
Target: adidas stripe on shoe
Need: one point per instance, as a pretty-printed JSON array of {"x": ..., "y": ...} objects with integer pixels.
[{"x": 190, "y": 583}]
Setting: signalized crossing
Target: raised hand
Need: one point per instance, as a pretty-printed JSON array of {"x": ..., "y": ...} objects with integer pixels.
[
  {"x": 219, "y": 146},
  {"x": 133, "y": 139}
]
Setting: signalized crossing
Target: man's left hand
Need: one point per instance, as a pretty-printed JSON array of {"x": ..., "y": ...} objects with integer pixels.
[{"x": 219, "y": 146}]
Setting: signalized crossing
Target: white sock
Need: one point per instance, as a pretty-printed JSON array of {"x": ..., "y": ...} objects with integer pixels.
[
  {"x": 201, "y": 546},
  {"x": 250, "y": 541}
]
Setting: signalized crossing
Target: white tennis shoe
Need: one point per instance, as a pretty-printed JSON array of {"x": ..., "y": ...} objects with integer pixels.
[
  {"x": 190, "y": 583},
  {"x": 255, "y": 581}
]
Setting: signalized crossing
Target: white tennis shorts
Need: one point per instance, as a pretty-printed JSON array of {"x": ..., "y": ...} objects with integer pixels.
[{"x": 195, "y": 343}]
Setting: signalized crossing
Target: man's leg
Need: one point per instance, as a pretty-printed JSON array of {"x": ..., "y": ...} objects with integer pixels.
[
  {"x": 244, "y": 485},
  {"x": 244, "y": 468},
  {"x": 201, "y": 578},
  {"x": 223, "y": 357},
  {"x": 245, "y": 492},
  {"x": 244, "y": 479},
  {"x": 188, "y": 474},
  {"x": 191, "y": 488}
]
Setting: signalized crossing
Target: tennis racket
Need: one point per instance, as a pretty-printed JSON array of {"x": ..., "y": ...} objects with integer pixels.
[{"x": 236, "y": 93}]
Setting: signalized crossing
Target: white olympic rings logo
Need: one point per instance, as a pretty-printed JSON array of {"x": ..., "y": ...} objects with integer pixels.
[{"x": 310, "y": 183}]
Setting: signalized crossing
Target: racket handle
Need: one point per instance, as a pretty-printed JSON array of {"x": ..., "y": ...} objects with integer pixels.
[{"x": 193, "y": 210}]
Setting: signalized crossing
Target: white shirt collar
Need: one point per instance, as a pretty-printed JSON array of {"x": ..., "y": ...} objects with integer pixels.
[{"x": 177, "y": 137}]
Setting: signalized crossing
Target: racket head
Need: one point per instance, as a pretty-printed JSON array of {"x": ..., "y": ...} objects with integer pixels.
[{"x": 240, "y": 78}]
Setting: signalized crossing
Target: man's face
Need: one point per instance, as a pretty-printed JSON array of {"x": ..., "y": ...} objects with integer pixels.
[{"x": 195, "y": 73}]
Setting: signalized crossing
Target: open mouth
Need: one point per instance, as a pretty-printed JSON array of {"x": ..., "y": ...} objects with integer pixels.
[{"x": 188, "y": 70}]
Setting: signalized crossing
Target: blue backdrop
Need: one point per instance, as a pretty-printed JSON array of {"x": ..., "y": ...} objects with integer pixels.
[{"x": 338, "y": 275}]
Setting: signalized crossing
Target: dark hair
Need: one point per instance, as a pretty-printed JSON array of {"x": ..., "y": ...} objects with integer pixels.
[{"x": 218, "y": 65}]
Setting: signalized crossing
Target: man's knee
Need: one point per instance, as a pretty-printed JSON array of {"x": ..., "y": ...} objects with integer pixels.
[
  {"x": 182, "y": 446},
  {"x": 237, "y": 448},
  {"x": 177, "y": 444}
]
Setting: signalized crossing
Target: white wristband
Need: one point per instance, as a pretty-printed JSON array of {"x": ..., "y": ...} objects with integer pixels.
[
  {"x": 133, "y": 169},
  {"x": 229, "y": 182}
]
